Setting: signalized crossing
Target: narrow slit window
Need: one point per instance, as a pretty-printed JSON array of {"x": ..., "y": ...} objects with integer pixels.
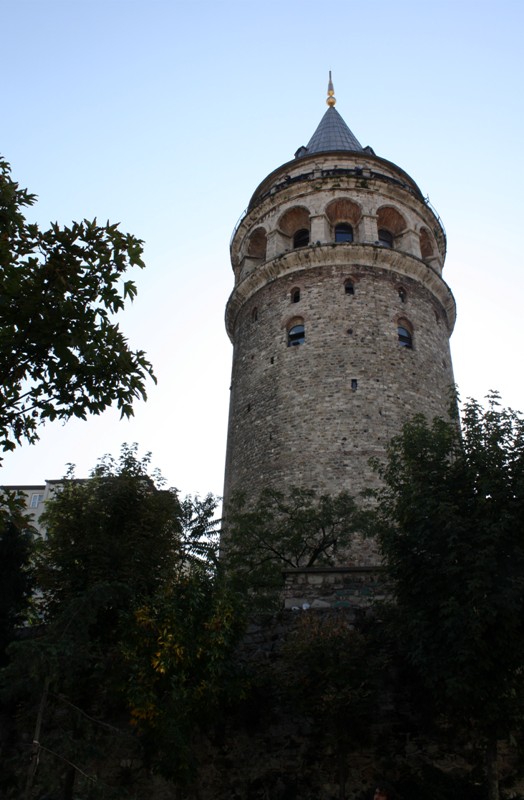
[
  {"x": 349, "y": 287},
  {"x": 295, "y": 295}
]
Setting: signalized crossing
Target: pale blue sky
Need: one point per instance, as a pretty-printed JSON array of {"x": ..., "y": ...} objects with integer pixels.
[{"x": 165, "y": 116}]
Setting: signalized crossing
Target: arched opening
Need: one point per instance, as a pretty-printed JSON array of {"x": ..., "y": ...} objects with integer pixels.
[
  {"x": 349, "y": 286},
  {"x": 405, "y": 333},
  {"x": 301, "y": 238},
  {"x": 344, "y": 216},
  {"x": 390, "y": 224},
  {"x": 257, "y": 246},
  {"x": 426, "y": 244},
  {"x": 294, "y": 223},
  {"x": 403, "y": 295},
  {"x": 296, "y": 332},
  {"x": 295, "y": 295},
  {"x": 385, "y": 237}
]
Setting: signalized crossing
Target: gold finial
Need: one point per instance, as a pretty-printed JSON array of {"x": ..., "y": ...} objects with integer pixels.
[{"x": 331, "y": 99}]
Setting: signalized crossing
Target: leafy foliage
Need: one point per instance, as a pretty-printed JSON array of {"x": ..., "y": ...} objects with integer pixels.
[
  {"x": 119, "y": 528},
  {"x": 200, "y": 531},
  {"x": 451, "y": 524},
  {"x": 61, "y": 353},
  {"x": 134, "y": 614},
  {"x": 285, "y": 531},
  {"x": 181, "y": 674},
  {"x": 331, "y": 673},
  {"x": 16, "y": 546}
]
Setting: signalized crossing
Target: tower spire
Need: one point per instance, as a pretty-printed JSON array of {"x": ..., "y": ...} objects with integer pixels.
[{"x": 331, "y": 99}]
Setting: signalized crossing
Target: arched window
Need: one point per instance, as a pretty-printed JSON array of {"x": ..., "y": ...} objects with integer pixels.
[
  {"x": 385, "y": 237},
  {"x": 343, "y": 214},
  {"x": 391, "y": 225},
  {"x": 426, "y": 246},
  {"x": 403, "y": 295},
  {"x": 254, "y": 314},
  {"x": 405, "y": 335},
  {"x": 343, "y": 232},
  {"x": 295, "y": 295},
  {"x": 257, "y": 244},
  {"x": 301, "y": 238},
  {"x": 349, "y": 287},
  {"x": 296, "y": 335}
]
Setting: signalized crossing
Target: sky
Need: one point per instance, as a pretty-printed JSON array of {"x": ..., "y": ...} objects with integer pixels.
[{"x": 165, "y": 115}]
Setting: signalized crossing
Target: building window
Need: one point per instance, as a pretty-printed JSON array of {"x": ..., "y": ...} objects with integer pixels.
[
  {"x": 295, "y": 295},
  {"x": 36, "y": 499},
  {"x": 343, "y": 232},
  {"x": 385, "y": 237},
  {"x": 405, "y": 337},
  {"x": 403, "y": 295},
  {"x": 426, "y": 246},
  {"x": 254, "y": 314},
  {"x": 354, "y": 384},
  {"x": 301, "y": 238},
  {"x": 296, "y": 335},
  {"x": 257, "y": 244},
  {"x": 349, "y": 287}
]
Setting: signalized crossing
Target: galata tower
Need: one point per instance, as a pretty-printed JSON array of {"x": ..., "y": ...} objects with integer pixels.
[{"x": 339, "y": 317}]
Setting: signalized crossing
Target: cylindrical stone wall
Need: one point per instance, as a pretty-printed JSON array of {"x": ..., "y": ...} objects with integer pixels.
[{"x": 314, "y": 413}]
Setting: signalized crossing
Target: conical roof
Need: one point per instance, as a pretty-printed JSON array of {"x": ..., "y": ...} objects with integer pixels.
[{"x": 331, "y": 134}]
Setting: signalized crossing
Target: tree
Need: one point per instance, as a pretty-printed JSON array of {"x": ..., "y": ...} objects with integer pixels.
[
  {"x": 182, "y": 675},
  {"x": 282, "y": 531},
  {"x": 111, "y": 541},
  {"x": 16, "y": 546},
  {"x": 331, "y": 672},
  {"x": 16, "y": 585},
  {"x": 450, "y": 521},
  {"x": 61, "y": 353},
  {"x": 120, "y": 529},
  {"x": 134, "y": 618}
]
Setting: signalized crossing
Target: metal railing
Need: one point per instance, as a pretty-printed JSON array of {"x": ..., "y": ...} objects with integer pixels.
[{"x": 357, "y": 172}]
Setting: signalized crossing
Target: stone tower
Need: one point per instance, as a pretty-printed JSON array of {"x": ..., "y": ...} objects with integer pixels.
[{"x": 339, "y": 317}]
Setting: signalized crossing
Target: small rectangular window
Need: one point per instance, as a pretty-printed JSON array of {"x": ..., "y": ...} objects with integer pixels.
[{"x": 36, "y": 499}]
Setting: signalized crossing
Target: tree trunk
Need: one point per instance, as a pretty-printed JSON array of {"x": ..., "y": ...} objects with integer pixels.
[
  {"x": 35, "y": 757},
  {"x": 492, "y": 773},
  {"x": 342, "y": 772},
  {"x": 69, "y": 784}
]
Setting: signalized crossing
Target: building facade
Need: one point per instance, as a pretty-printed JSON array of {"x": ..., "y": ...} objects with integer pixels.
[
  {"x": 35, "y": 497},
  {"x": 339, "y": 317}
]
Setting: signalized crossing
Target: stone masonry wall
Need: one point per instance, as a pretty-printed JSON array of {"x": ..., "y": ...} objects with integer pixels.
[
  {"x": 313, "y": 415},
  {"x": 354, "y": 589}
]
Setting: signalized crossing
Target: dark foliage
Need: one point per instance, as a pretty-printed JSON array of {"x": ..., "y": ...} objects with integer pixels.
[
  {"x": 283, "y": 531},
  {"x": 61, "y": 353},
  {"x": 16, "y": 581},
  {"x": 450, "y": 521},
  {"x": 132, "y": 650}
]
